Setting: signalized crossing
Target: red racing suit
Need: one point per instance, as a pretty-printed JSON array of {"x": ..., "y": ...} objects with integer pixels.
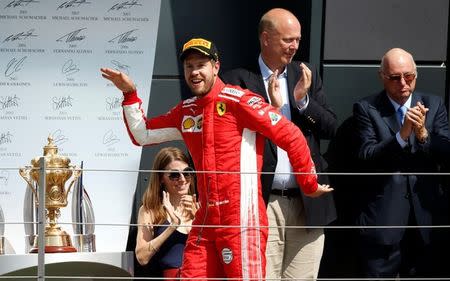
[{"x": 224, "y": 132}]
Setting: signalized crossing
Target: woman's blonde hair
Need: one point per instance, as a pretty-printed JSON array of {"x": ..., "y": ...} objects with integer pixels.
[{"x": 152, "y": 198}]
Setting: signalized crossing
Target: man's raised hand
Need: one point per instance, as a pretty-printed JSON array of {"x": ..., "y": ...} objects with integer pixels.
[{"x": 119, "y": 79}]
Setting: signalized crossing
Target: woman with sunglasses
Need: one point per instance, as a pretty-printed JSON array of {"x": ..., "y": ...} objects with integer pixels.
[{"x": 168, "y": 208}]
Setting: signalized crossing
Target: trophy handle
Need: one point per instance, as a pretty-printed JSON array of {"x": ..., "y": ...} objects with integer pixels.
[
  {"x": 77, "y": 174},
  {"x": 25, "y": 173}
]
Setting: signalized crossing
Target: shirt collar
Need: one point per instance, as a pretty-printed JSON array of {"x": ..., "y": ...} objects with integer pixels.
[
  {"x": 396, "y": 105},
  {"x": 266, "y": 72}
]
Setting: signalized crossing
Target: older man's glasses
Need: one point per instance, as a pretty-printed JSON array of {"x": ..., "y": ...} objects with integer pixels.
[
  {"x": 408, "y": 76},
  {"x": 187, "y": 172}
]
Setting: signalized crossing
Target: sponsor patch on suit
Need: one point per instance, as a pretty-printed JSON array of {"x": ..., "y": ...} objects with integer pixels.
[
  {"x": 274, "y": 118},
  {"x": 192, "y": 124},
  {"x": 227, "y": 255}
]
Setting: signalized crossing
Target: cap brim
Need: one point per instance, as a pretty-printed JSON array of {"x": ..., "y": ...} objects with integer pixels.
[{"x": 183, "y": 55}]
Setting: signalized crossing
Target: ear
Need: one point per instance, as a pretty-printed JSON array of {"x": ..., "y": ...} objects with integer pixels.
[
  {"x": 216, "y": 67},
  {"x": 381, "y": 75},
  {"x": 265, "y": 38}
]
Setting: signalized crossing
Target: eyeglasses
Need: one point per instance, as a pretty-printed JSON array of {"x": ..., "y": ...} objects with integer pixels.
[
  {"x": 175, "y": 175},
  {"x": 408, "y": 76}
]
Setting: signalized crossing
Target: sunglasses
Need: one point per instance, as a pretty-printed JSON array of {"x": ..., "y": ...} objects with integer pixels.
[
  {"x": 175, "y": 175},
  {"x": 409, "y": 76}
]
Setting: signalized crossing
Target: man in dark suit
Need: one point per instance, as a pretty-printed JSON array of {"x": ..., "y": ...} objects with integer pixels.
[
  {"x": 297, "y": 91},
  {"x": 394, "y": 130}
]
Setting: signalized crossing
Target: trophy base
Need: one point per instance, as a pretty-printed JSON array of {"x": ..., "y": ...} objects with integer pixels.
[
  {"x": 55, "y": 249},
  {"x": 60, "y": 243}
]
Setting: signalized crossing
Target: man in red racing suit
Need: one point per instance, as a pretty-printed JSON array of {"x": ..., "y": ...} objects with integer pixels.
[{"x": 224, "y": 131}]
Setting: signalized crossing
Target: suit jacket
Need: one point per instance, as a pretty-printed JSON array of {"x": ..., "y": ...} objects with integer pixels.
[
  {"x": 342, "y": 159},
  {"x": 440, "y": 147},
  {"x": 317, "y": 122},
  {"x": 391, "y": 199}
]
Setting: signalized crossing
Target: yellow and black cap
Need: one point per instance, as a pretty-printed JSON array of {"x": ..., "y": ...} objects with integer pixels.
[{"x": 206, "y": 47}]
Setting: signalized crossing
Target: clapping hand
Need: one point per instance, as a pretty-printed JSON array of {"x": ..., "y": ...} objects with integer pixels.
[
  {"x": 169, "y": 208},
  {"x": 415, "y": 123},
  {"x": 190, "y": 205},
  {"x": 273, "y": 90},
  {"x": 419, "y": 121},
  {"x": 303, "y": 84}
]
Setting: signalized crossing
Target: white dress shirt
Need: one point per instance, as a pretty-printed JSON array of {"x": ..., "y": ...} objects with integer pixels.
[
  {"x": 283, "y": 178},
  {"x": 407, "y": 104}
]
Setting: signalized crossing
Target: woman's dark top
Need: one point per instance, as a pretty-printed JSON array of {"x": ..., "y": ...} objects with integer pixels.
[{"x": 170, "y": 255}]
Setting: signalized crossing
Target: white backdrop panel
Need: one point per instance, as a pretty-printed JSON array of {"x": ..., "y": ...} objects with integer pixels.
[{"x": 50, "y": 84}]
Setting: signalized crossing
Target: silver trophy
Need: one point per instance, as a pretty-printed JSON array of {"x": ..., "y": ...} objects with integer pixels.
[
  {"x": 5, "y": 246},
  {"x": 82, "y": 218},
  {"x": 30, "y": 213}
]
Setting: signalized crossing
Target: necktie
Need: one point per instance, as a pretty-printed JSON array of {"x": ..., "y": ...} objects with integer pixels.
[{"x": 401, "y": 111}]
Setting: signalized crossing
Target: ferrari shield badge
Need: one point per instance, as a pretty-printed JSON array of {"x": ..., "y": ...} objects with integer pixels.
[{"x": 221, "y": 108}]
